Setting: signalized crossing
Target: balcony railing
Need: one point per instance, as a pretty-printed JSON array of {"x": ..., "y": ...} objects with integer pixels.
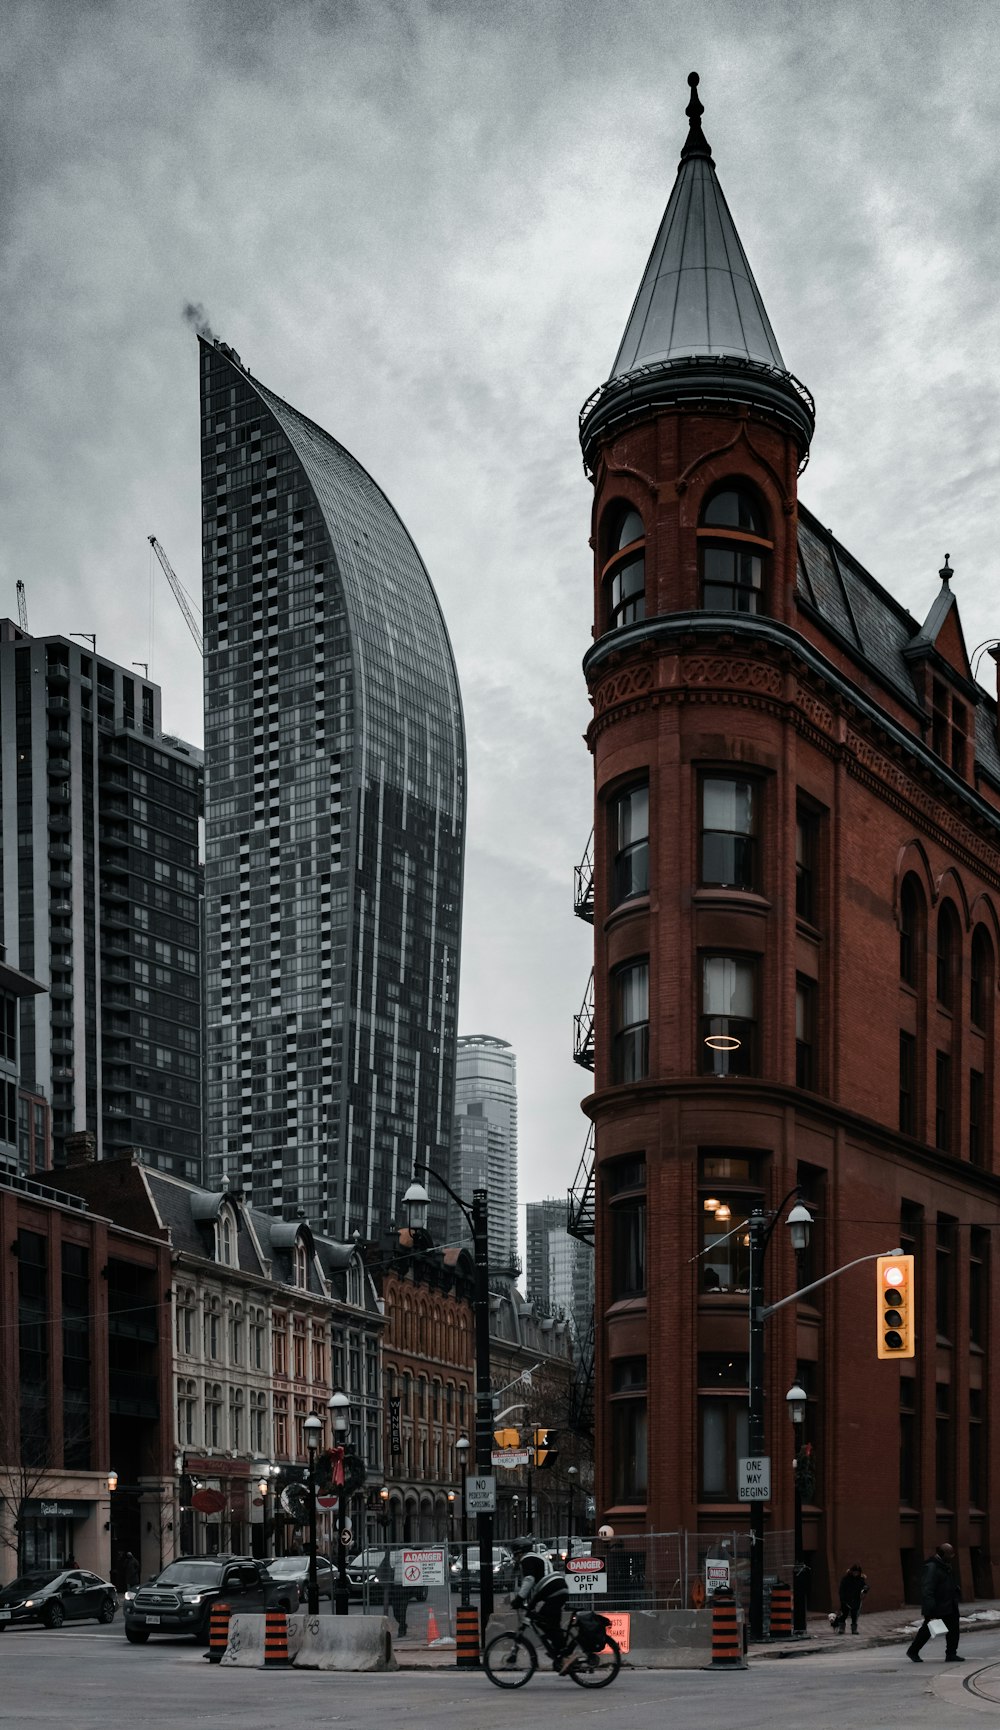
[
  {"x": 583, "y": 884},
  {"x": 581, "y": 1199},
  {"x": 583, "y": 1028}
]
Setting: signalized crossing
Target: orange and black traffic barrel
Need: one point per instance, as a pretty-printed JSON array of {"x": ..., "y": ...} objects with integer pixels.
[
  {"x": 467, "y": 1639},
  {"x": 218, "y": 1632},
  {"x": 781, "y": 1612},
  {"x": 276, "y": 1640},
  {"x": 727, "y": 1647}
]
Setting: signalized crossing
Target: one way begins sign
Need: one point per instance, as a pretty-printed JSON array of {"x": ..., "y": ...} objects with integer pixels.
[{"x": 755, "y": 1479}]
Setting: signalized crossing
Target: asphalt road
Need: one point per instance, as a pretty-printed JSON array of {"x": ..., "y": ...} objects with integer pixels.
[{"x": 91, "y": 1679}]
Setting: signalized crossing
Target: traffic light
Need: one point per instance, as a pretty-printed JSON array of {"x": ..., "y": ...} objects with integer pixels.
[
  {"x": 507, "y": 1439},
  {"x": 895, "y": 1306},
  {"x": 545, "y": 1453}
]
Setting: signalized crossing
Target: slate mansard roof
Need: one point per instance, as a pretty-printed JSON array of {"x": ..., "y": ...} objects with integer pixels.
[{"x": 876, "y": 630}]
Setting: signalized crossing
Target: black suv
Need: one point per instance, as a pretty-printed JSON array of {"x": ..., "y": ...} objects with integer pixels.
[{"x": 180, "y": 1599}]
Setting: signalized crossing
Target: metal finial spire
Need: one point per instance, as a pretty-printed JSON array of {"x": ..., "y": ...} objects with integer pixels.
[
  {"x": 696, "y": 144},
  {"x": 946, "y": 572}
]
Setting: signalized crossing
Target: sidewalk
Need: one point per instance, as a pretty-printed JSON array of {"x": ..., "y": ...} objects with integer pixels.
[{"x": 881, "y": 1628}]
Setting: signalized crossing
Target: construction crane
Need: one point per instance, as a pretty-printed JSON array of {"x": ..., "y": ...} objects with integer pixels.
[
  {"x": 181, "y": 596},
  {"x": 22, "y": 607}
]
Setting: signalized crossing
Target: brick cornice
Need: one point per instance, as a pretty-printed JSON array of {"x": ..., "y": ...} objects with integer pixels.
[{"x": 786, "y": 677}]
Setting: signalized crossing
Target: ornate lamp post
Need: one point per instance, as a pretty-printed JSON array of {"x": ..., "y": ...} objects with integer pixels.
[
  {"x": 313, "y": 1427},
  {"x": 795, "y": 1399},
  {"x": 339, "y": 1406},
  {"x": 462, "y": 1450},
  {"x": 417, "y": 1201},
  {"x": 762, "y": 1227}
]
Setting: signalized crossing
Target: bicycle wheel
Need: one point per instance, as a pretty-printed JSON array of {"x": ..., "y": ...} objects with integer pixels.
[
  {"x": 596, "y": 1669},
  {"x": 510, "y": 1661}
]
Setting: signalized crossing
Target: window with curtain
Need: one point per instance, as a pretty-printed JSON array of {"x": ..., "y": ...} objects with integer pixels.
[
  {"x": 630, "y": 1021},
  {"x": 729, "y": 832},
  {"x": 729, "y": 1016}
]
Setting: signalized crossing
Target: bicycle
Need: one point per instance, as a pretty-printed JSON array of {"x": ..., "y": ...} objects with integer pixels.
[{"x": 510, "y": 1660}]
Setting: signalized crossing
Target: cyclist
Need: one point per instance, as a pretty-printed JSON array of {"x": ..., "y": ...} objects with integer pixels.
[{"x": 544, "y": 1595}]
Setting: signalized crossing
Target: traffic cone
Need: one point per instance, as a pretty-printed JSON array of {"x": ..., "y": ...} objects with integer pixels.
[{"x": 432, "y": 1628}]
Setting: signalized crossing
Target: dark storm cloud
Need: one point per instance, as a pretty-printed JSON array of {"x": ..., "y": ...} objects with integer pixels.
[{"x": 424, "y": 224}]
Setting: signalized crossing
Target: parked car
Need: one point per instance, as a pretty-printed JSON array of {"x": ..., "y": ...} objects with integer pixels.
[
  {"x": 558, "y": 1548},
  {"x": 366, "y": 1566},
  {"x": 180, "y": 1599},
  {"x": 54, "y": 1598},
  {"x": 294, "y": 1570},
  {"x": 505, "y": 1568}
]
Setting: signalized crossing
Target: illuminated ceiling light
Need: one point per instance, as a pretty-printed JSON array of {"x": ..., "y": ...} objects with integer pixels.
[
  {"x": 711, "y": 1204},
  {"x": 722, "y": 1042},
  {"x": 723, "y": 1212}
]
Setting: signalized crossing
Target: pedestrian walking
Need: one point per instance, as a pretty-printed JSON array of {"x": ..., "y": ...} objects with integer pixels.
[
  {"x": 852, "y": 1589},
  {"x": 939, "y": 1601},
  {"x": 133, "y": 1572}
]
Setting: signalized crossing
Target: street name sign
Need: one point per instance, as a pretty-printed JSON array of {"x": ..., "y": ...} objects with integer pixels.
[
  {"x": 423, "y": 1568},
  {"x": 754, "y": 1479},
  {"x": 512, "y": 1457},
  {"x": 481, "y": 1495}
]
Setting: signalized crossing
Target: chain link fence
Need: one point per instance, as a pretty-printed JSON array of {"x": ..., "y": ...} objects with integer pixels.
[{"x": 673, "y": 1570}]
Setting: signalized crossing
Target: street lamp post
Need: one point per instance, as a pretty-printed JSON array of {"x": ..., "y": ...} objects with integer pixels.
[
  {"x": 462, "y": 1450},
  {"x": 761, "y": 1229},
  {"x": 571, "y": 1475},
  {"x": 795, "y": 1399},
  {"x": 416, "y": 1201},
  {"x": 313, "y": 1427},
  {"x": 386, "y": 1569},
  {"x": 514, "y": 1500},
  {"x": 339, "y": 1406}
]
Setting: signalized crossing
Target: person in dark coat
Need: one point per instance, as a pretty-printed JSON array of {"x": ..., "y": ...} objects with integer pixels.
[
  {"x": 939, "y": 1598},
  {"x": 853, "y": 1587},
  {"x": 133, "y": 1572}
]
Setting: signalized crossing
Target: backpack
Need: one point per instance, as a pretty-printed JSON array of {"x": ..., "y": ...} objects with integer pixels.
[{"x": 591, "y": 1631}]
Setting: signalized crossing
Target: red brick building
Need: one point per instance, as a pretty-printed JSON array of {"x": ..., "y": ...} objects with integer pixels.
[
  {"x": 796, "y": 907},
  {"x": 429, "y": 1382}
]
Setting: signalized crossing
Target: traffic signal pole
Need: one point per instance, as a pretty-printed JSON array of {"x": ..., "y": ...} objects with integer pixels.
[
  {"x": 760, "y": 1234},
  {"x": 484, "y": 1396}
]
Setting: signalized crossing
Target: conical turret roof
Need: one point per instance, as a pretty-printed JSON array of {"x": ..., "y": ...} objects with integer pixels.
[{"x": 698, "y": 303}]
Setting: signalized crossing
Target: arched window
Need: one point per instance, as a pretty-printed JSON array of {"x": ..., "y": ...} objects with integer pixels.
[
  {"x": 624, "y": 573},
  {"x": 948, "y": 956},
  {"x": 909, "y": 931},
  {"x": 301, "y": 1265},
  {"x": 981, "y": 979},
  {"x": 734, "y": 546}
]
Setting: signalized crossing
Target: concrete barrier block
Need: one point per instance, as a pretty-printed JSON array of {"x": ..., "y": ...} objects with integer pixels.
[
  {"x": 345, "y": 1643},
  {"x": 246, "y": 1639},
  {"x": 671, "y": 1639}
]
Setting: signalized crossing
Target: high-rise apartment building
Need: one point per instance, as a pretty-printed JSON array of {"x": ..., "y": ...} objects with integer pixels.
[
  {"x": 101, "y": 882},
  {"x": 335, "y": 817},
  {"x": 484, "y": 1150},
  {"x": 559, "y": 1268}
]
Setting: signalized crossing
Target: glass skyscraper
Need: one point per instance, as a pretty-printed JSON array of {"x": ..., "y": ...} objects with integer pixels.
[
  {"x": 335, "y": 821},
  {"x": 484, "y": 1155},
  {"x": 100, "y": 902}
]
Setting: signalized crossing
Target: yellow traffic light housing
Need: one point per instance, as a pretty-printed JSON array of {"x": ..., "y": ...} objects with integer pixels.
[{"x": 895, "y": 1306}]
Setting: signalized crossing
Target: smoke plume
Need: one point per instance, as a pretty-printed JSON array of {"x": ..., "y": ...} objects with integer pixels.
[{"x": 196, "y": 316}]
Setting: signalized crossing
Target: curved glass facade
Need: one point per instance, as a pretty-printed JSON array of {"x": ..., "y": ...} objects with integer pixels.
[{"x": 335, "y": 818}]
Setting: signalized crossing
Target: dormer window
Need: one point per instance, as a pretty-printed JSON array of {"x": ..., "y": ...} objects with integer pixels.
[
  {"x": 734, "y": 548},
  {"x": 949, "y": 727},
  {"x": 624, "y": 574},
  {"x": 227, "y": 1240},
  {"x": 355, "y": 1288},
  {"x": 300, "y": 1266}
]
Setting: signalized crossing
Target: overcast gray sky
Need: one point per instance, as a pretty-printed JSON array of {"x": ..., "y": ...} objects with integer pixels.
[{"x": 424, "y": 224}]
